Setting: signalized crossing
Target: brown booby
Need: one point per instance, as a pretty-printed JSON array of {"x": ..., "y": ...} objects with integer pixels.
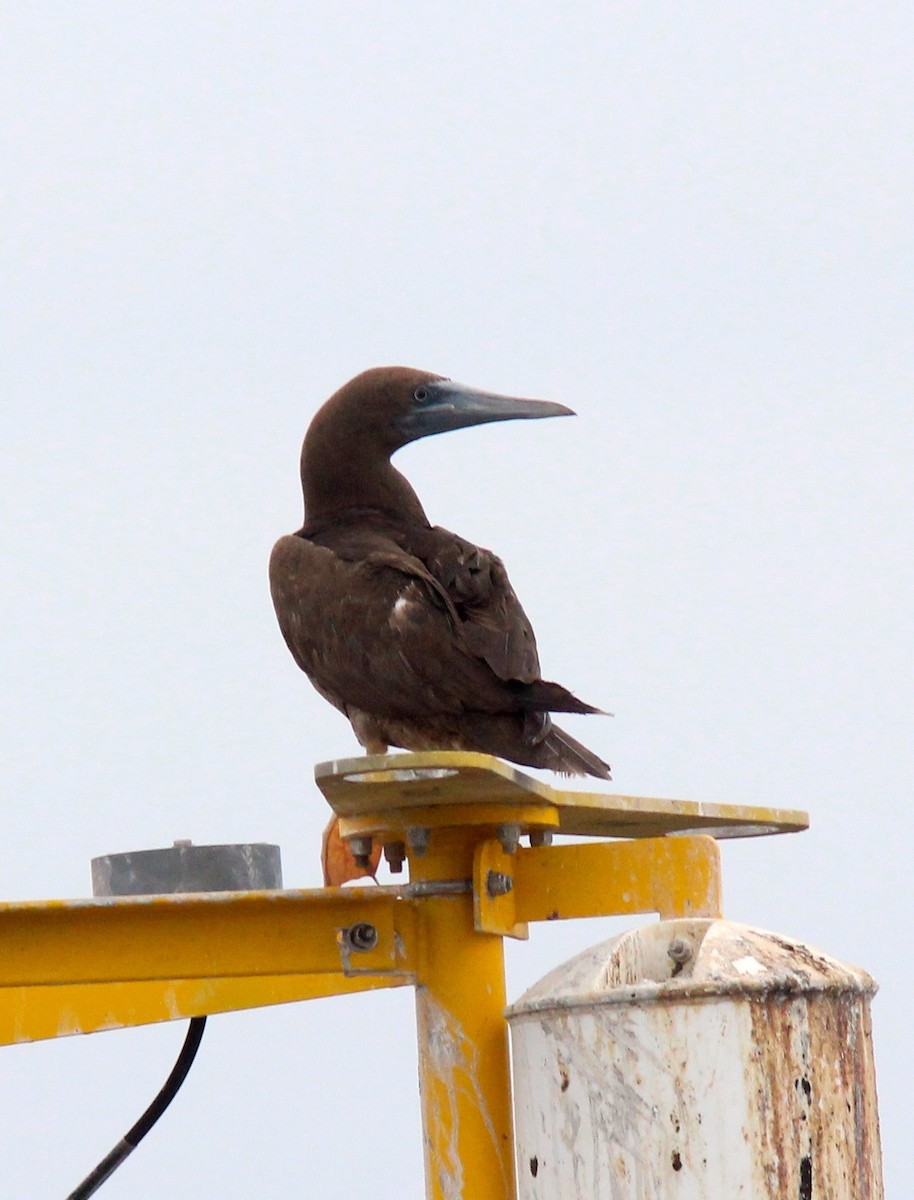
[{"x": 411, "y": 631}]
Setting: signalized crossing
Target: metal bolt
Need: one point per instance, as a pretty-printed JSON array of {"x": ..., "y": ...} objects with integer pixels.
[
  {"x": 679, "y": 951},
  {"x": 417, "y": 839},
  {"x": 439, "y": 887},
  {"x": 361, "y": 936},
  {"x": 498, "y": 883},
  {"x": 540, "y": 837},
  {"x": 395, "y": 852},
  {"x": 509, "y": 836},
  {"x": 360, "y": 845}
]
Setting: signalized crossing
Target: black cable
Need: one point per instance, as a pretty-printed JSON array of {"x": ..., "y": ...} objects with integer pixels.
[{"x": 137, "y": 1132}]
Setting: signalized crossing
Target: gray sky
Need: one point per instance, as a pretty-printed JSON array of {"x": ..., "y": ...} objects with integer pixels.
[{"x": 691, "y": 223}]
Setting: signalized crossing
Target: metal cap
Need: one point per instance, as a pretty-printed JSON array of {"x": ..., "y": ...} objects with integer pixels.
[
  {"x": 690, "y": 958},
  {"x": 184, "y": 867}
]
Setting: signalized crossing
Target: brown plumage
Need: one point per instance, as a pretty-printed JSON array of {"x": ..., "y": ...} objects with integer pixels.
[{"x": 412, "y": 632}]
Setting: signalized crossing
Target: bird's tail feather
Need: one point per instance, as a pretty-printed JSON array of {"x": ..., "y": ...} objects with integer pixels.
[
  {"x": 530, "y": 739},
  {"x": 563, "y": 753},
  {"x": 545, "y": 696}
]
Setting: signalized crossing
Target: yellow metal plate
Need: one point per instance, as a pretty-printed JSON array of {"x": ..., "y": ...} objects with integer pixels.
[
  {"x": 495, "y": 909},
  {"x": 355, "y": 787}
]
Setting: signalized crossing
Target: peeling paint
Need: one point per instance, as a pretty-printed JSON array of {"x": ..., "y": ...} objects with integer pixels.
[
  {"x": 747, "y": 965},
  {"x": 452, "y": 1059}
]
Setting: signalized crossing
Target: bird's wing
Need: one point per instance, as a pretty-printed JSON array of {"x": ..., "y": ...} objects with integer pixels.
[
  {"x": 378, "y": 632},
  {"x": 492, "y": 621}
]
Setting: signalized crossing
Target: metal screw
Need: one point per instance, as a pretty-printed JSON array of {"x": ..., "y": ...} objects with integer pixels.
[
  {"x": 540, "y": 837},
  {"x": 417, "y": 839},
  {"x": 360, "y": 845},
  {"x": 360, "y": 936},
  {"x": 679, "y": 951},
  {"x": 395, "y": 852},
  {"x": 498, "y": 883},
  {"x": 509, "y": 836}
]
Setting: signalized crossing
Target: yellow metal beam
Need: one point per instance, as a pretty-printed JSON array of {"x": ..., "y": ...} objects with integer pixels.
[
  {"x": 213, "y": 935},
  {"x": 464, "y": 1077},
  {"x": 84, "y": 965},
  {"x": 33, "y": 1013}
]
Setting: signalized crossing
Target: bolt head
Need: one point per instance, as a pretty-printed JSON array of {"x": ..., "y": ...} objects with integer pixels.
[
  {"x": 679, "y": 950},
  {"x": 498, "y": 883},
  {"x": 417, "y": 839},
  {"x": 509, "y": 836},
  {"x": 361, "y": 936}
]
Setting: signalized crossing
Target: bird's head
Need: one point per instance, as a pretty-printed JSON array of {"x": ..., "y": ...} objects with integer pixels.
[
  {"x": 352, "y": 436},
  {"x": 391, "y": 406}
]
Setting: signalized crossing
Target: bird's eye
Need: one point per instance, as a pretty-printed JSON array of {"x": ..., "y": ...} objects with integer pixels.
[{"x": 420, "y": 395}]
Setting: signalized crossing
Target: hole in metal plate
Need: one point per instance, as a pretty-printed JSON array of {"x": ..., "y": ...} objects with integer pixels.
[{"x": 400, "y": 775}]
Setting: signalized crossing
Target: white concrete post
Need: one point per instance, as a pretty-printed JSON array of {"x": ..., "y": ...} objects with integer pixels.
[{"x": 701, "y": 1060}]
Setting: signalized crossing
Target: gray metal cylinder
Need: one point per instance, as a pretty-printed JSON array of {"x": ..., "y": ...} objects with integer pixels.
[
  {"x": 697, "y": 1059},
  {"x": 184, "y": 867}
]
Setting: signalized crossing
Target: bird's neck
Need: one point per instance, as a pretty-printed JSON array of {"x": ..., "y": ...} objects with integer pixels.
[{"x": 350, "y": 483}]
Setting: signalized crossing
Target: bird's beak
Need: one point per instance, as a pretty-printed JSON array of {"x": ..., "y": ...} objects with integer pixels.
[{"x": 442, "y": 405}]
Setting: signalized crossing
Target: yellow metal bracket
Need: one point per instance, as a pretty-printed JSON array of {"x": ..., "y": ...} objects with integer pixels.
[
  {"x": 495, "y": 891},
  {"x": 675, "y": 877}
]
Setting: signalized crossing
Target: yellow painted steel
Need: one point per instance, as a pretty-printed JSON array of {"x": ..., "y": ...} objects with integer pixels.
[
  {"x": 88, "y": 965},
  {"x": 495, "y": 911},
  {"x": 393, "y": 825},
  {"x": 396, "y": 783},
  {"x": 202, "y": 936},
  {"x": 80, "y": 966},
  {"x": 464, "y": 1074},
  {"x": 674, "y": 877},
  {"x": 33, "y": 1013},
  {"x": 671, "y": 876}
]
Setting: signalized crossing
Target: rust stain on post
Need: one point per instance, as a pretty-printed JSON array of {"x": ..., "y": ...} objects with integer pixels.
[
  {"x": 813, "y": 1075},
  {"x": 697, "y": 1059}
]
